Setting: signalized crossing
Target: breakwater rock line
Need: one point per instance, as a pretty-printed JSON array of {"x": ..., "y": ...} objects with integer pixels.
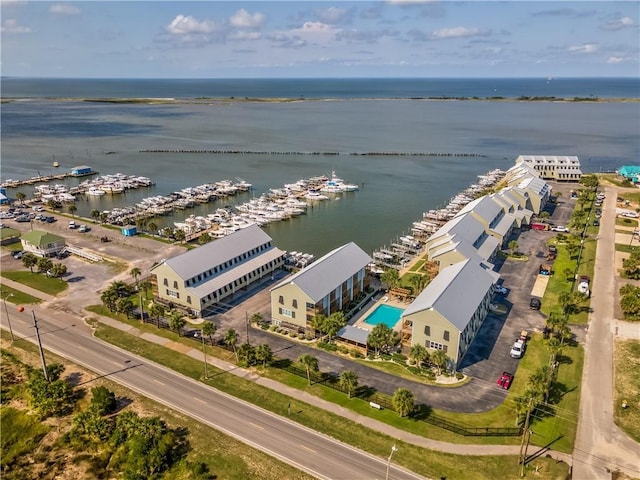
[{"x": 254, "y": 152}]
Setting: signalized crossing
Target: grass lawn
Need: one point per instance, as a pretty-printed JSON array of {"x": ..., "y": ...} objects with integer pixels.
[
  {"x": 39, "y": 281},
  {"x": 626, "y": 222},
  {"x": 633, "y": 197},
  {"x": 21, "y": 433},
  {"x": 626, "y": 386},
  {"x": 613, "y": 178},
  {"x": 558, "y": 282},
  {"x": 621, "y": 247},
  {"x": 16, "y": 296},
  {"x": 418, "y": 265},
  {"x": 422, "y": 461}
]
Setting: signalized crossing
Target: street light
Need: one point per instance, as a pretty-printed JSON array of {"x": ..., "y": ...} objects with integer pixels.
[
  {"x": 7, "y": 312},
  {"x": 393, "y": 450},
  {"x": 204, "y": 353}
]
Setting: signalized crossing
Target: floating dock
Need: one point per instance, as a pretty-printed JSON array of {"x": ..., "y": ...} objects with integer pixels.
[{"x": 82, "y": 171}]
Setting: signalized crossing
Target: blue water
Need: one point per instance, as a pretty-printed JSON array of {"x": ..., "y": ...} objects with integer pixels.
[
  {"x": 321, "y": 88},
  {"x": 384, "y": 314}
]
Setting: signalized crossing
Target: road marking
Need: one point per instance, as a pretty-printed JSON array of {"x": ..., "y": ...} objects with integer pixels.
[
  {"x": 81, "y": 348},
  {"x": 200, "y": 400},
  {"x": 158, "y": 382},
  {"x": 307, "y": 448},
  {"x": 256, "y": 425}
]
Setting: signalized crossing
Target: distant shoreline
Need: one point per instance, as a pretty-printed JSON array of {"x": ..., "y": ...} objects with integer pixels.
[{"x": 226, "y": 100}]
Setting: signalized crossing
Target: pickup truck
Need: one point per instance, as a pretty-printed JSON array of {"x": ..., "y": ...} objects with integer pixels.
[{"x": 517, "y": 350}]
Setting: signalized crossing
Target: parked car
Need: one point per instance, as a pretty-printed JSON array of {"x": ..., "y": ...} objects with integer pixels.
[
  {"x": 596, "y": 223},
  {"x": 535, "y": 303},
  {"x": 72, "y": 224},
  {"x": 560, "y": 228},
  {"x": 502, "y": 290},
  {"x": 83, "y": 228},
  {"x": 62, "y": 254},
  {"x": 505, "y": 380},
  {"x": 517, "y": 349},
  {"x": 17, "y": 254},
  {"x": 23, "y": 218},
  {"x": 50, "y": 219}
]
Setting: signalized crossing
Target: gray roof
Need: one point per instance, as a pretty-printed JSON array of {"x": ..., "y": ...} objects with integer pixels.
[
  {"x": 466, "y": 226},
  {"x": 464, "y": 247},
  {"x": 549, "y": 160},
  {"x": 456, "y": 292},
  {"x": 326, "y": 273},
  {"x": 354, "y": 334},
  {"x": 488, "y": 247},
  {"x": 535, "y": 185},
  {"x": 505, "y": 223},
  {"x": 207, "y": 256},
  {"x": 484, "y": 207},
  {"x": 232, "y": 274}
]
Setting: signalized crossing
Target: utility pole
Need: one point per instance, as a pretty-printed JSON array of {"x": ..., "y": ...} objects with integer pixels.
[
  {"x": 44, "y": 363},
  {"x": 204, "y": 352},
  {"x": 521, "y": 457},
  {"x": 141, "y": 305},
  {"x": 4, "y": 300},
  {"x": 246, "y": 321}
]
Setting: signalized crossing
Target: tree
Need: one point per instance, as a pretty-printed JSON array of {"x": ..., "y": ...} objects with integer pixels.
[
  {"x": 125, "y": 305},
  {"x": 419, "y": 354},
  {"x": 568, "y": 274},
  {"x": 256, "y": 318},
  {"x": 631, "y": 266},
  {"x": 630, "y": 306},
  {"x": 20, "y": 197},
  {"x": 513, "y": 246},
  {"x": 141, "y": 223},
  {"x": 104, "y": 216},
  {"x": 176, "y": 322},
  {"x": 109, "y": 298},
  {"x": 153, "y": 228},
  {"x": 179, "y": 235},
  {"x": 520, "y": 406},
  {"x": 49, "y": 398},
  {"x": 135, "y": 273},
  {"x": 439, "y": 359},
  {"x": 44, "y": 264},
  {"x": 317, "y": 322},
  {"x": 418, "y": 282},
  {"x": 390, "y": 277},
  {"x": 310, "y": 364},
  {"x": 209, "y": 329},
  {"x": 58, "y": 269},
  {"x": 145, "y": 286},
  {"x": 247, "y": 354},
  {"x": 157, "y": 311},
  {"x": 95, "y": 214},
  {"x": 231, "y": 340},
  {"x": 333, "y": 323},
  {"x": 403, "y": 401},
  {"x": 380, "y": 338},
  {"x": 543, "y": 215},
  {"x": 572, "y": 249},
  {"x": 264, "y": 354},
  {"x": 29, "y": 260},
  {"x": 103, "y": 400},
  {"x": 52, "y": 204},
  {"x": 204, "y": 238},
  {"x": 349, "y": 381},
  {"x": 72, "y": 210}
]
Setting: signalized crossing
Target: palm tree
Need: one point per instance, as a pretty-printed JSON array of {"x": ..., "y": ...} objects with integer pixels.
[
  {"x": 418, "y": 282},
  {"x": 29, "y": 260},
  {"x": 109, "y": 298},
  {"x": 209, "y": 329},
  {"x": 135, "y": 273},
  {"x": 95, "y": 214},
  {"x": 20, "y": 197},
  {"x": 231, "y": 339},
  {"x": 419, "y": 354},
  {"x": 390, "y": 277},
  {"x": 349, "y": 381},
  {"x": 317, "y": 323},
  {"x": 157, "y": 311},
  {"x": 439, "y": 359},
  {"x": 179, "y": 235},
  {"x": 44, "y": 264},
  {"x": 153, "y": 228},
  {"x": 310, "y": 363},
  {"x": 264, "y": 354},
  {"x": 176, "y": 322},
  {"x": 513, "y": 246},
  {"x": 124, "y": 305},
  {"x": 144, "y": 286},
  {"x": 333, "y": 323},
  {"x": 104, "y": 216},
  {"x": 403, "y": 401},
  {"x": 246, "y": 353},
  {"x": 72, "y": 210}
]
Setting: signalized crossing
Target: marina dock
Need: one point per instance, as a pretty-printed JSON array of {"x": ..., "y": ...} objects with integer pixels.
[{"x": 75, "y": 172}]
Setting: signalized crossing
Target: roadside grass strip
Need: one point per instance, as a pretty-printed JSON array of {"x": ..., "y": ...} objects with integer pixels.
[
  {"x": 16, "y": 296},
  {"x": 626, "y": 386},
  {"x": 422, "y": 461},
  {"x": 39, "y": 281}
]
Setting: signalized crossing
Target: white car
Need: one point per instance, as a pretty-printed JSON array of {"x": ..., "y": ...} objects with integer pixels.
[
  {"x": 83, "y": 228},
  {"x": 560, "y": 228},
  {"x": 517, "y": 350}
]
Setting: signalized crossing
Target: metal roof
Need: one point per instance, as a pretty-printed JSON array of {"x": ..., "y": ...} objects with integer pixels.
[
  {"x": 325, "y": 274},
  {"x": 464, "y": 247},
  {"x": 201, "y": 259},
  {"x": 488, "y": 247},
  {"x": 505, "y": 223},
  {"x": 456, "y": 292},
  {"x": 238, "y": 271},
  {"x": 484, "y": 207},
  {"x": 354, "y": 334},
  {"x": 40, "y": 238},
  {"x": 549, "y": 160},
  {"x": 466, "y": 226}
]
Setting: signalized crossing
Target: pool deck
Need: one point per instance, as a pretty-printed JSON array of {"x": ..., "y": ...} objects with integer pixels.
[{"x": 380, "y": 299}]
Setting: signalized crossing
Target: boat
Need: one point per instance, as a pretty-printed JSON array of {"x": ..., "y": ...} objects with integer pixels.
[{"x": 96, "y": 192}]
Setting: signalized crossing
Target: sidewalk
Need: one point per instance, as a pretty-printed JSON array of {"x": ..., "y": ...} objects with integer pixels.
[
  {"x": 31, "y": 291},
  {"x": 459, "y": 449}
]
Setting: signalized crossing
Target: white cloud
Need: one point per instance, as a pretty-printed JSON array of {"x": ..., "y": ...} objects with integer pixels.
[
  {"x": 410, "y": 2},
  {"x": 457, "y": 32},
  {"x": 619, "y": 23},
  {"x": 64, "y": 9},
  {"x": 332, "y": 14},
  {"x": 244, "y": 19},
  {"x": 314, "y": 28},
  {"x": 243, "y": 36},
  {"x": 587, "y": 48},
  {"x": 615, "y": 60},
  {"x": 185, "y": 25},
  {"x": 11, "y": 26}
]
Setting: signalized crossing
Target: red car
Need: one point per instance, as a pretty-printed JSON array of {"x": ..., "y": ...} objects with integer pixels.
[{"x": 505, "y": 380}]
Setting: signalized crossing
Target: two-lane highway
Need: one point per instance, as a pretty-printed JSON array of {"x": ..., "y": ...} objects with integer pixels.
[{"x": 292, "y": 443}]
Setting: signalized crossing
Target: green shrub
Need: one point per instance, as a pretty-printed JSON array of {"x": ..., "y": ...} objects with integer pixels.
[
  {"x": 330, "y": 347},
  {"x": 293, "y": 335},
  {"x": 459, "y": 375},
  {"x": 343, "y": 349},
  {"x": 430, "y": 374},
  {"x": 400, "y": 358},
  {"x": 355, "y": 353}
]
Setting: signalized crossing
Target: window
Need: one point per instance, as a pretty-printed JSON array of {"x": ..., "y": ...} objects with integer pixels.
[
  {"x": 427, "y": 330},
  {"x": 166, "y": 282},
  {"x": 188, "y": 299},
  {"x": 436, "y": 346},
  {"x": 287, "y": 313},
  {"x": 281, "y": 300},
  {"x": 173, "y": 293},
  {"x": 295, "y": 304},
  {"x": 446, "y": 335},
  {"x": 175, "y": 284},
  {"x": 310, "y": 306}
]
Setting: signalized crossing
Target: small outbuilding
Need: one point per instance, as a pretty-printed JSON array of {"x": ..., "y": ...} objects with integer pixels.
[
  {"x": 81, "y": 171},
  {"x": 42, "y": 244},
  {"x": 9, "y": 236},
  {"x": 129, "y": 231},
  {"x": 630, "y": 172}
]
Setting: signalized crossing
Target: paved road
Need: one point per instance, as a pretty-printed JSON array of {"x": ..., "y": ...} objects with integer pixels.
[
  {"x": 601, "y": 447},
  {"x": 301, "y": 447}
]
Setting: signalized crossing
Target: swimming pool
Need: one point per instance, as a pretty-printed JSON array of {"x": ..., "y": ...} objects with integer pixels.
[{"x": 384, "y": 314}]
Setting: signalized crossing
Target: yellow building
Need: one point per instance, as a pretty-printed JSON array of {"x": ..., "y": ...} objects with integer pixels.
[
  {"x": 326, "y": 286},
  {"x": 42, "y": 244},
  {"x": 451, "y": 309},
  {"x": 199, "y": 279},
  {"x": 554, "y": 167}
]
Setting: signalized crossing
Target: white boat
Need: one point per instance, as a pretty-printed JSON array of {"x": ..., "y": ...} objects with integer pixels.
[
  {"x": 315, "y": 196},
  {"x": 96, "y": 192}
]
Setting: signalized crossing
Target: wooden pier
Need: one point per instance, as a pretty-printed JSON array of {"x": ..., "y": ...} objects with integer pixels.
[{"x": 43, "y": 179}]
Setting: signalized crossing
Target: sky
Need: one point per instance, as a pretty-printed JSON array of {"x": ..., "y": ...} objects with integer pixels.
[{"x": 343, "y": 39}]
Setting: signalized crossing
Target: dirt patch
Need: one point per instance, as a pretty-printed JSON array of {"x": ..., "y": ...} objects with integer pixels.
[{"x": 178, "y": 347}]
